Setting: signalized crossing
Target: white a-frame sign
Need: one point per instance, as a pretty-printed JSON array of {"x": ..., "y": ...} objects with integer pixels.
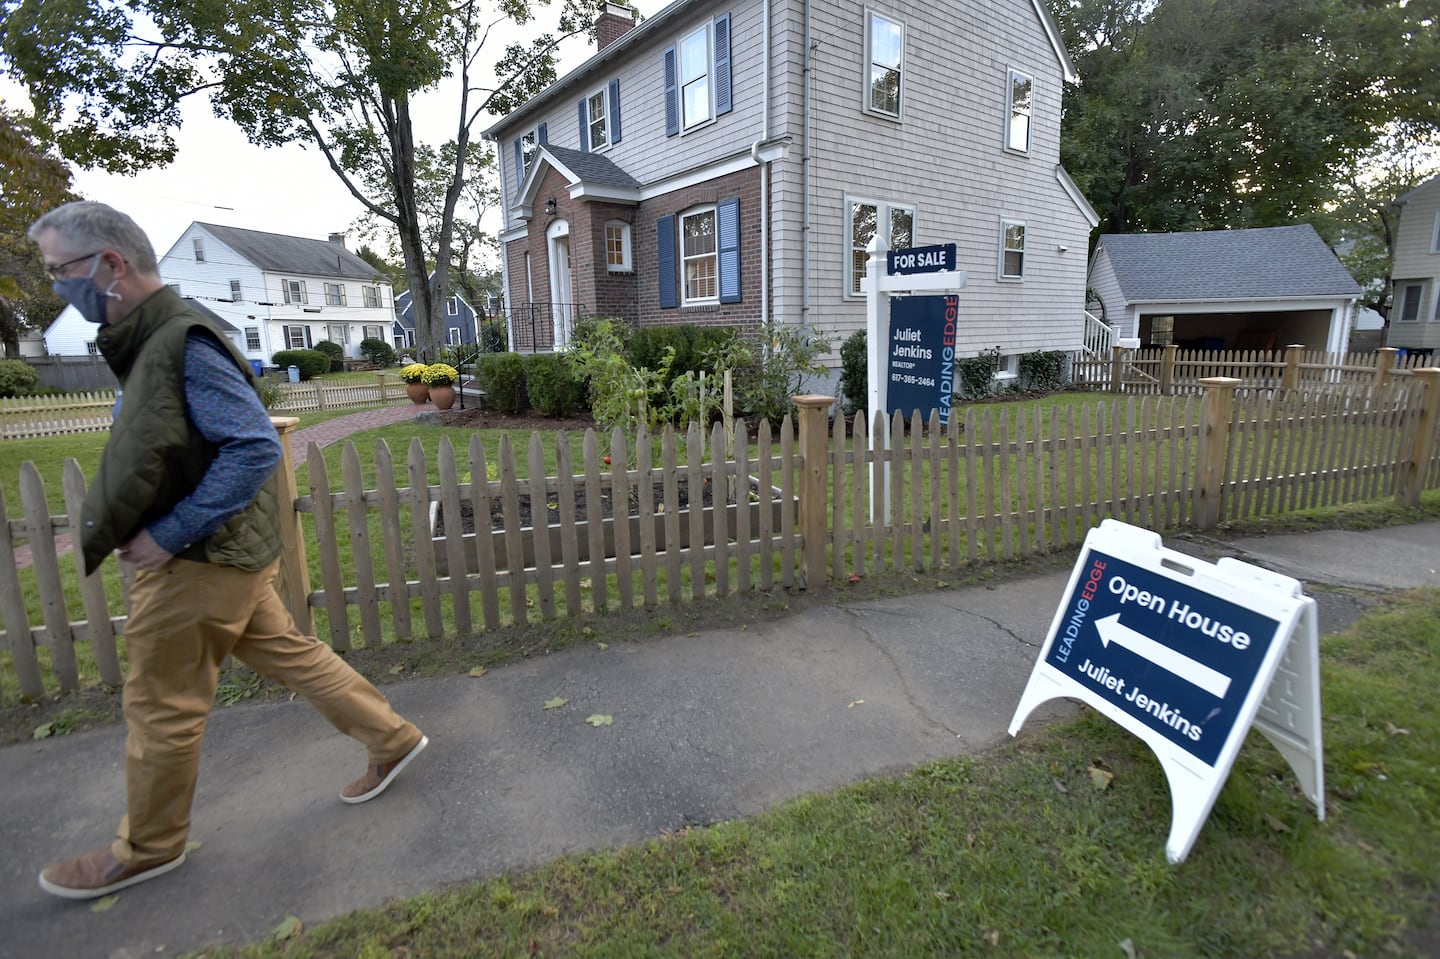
[{"x": 1188, "y": 656}]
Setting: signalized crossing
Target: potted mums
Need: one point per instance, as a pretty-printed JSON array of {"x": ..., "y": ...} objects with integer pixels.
[
  {"x": 440, "y": 379},
  {"x": 415, "y": 385}
]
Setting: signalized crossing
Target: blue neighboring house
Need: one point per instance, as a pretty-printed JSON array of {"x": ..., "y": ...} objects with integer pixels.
[{"x": 460, "y": 321}]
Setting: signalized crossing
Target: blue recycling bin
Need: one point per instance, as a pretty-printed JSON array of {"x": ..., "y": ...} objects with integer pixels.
[{"x": 258, "y": 368}]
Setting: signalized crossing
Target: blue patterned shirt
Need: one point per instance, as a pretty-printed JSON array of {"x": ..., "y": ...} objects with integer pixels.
[{"x": 224, "y": 408}]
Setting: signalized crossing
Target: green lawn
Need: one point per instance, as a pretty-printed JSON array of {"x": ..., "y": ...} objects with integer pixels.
[{"x": 1023, "y": 852}]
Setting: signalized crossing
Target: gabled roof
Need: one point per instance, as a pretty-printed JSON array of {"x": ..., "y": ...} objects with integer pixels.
[
  {"x": 1268, "y": 263},
  {"x": 277, "y": 253},
  {"x": 587, "y": 175},
  {"x": 404, "y": 315},
  {"x": 1405, "y": 198},
  {"x": 224, "y": 325}
]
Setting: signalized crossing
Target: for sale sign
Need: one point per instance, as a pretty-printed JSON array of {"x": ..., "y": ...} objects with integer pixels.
[{"x": 921, "y": 355}]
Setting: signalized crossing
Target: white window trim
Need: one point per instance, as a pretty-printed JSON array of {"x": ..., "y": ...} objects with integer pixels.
[
  {"x": 369, "y": 293},
  {"x": 883, "y": 210},
  {"x": 626, "y": 248},
  {"x": 1009, "y": 118},
  {"x": 337, "y": 290},
  {"x": 237, "y": 292},
  {"x": 199, "y": 244},
  {"x": 532, "y": 137},
  {"x": 604, "y": 94},
  {"x": 867, "y": 62},
  {"x": 681, "y": 258},
  {"x": 452, "y": 307},
  {"x": 304, "y": 294},
  {"x": 1435, "y": 234},
  {"x": 1402, "y": 291},
  {"x": 1000, "y": 274},
  {"x": 453, "y": 336},
  {"x": 303, "y": 329},
  {"x": 686, "y": 125},
  {"x": 252, "y": 335}
]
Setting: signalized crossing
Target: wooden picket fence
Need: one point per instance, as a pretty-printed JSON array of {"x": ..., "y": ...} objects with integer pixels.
[
  {"x": 1168, "y": 371},
  {"x": 310, "y": 395},
  {"x": 26, "y": 417},
  {"x": 708, "y": 515}
]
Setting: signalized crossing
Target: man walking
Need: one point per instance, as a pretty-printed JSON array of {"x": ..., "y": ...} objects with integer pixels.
[{"x": 186, "y": 492}]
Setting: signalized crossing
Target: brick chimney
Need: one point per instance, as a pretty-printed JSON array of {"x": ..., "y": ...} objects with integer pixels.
[
  {"x": 615, "y": 20},
  {"x": 337, "y": 238}
]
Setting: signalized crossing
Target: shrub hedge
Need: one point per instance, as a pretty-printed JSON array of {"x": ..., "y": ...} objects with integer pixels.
[
  {"x": 502, "y": 377},
  {"x": 553, "y": 383},
  {"x": 312, "y": 363}
]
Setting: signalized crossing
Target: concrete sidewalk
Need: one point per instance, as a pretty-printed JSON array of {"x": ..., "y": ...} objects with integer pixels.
[{"x": 707, "y": 727}]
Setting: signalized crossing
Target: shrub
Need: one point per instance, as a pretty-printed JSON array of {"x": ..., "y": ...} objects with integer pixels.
[
  {"x": 17, "y": 378},
  {"x": 621, "y": 394},
  {"x": 553, "y": 383},
  {"x": 312, "y": 363},
  {"x": 1042, "y": 372},
  {"x": 334, "y": 351},
  {"x": 977, "y": 373},
  {"x": 854, "y": 373},
  {"x": 767, "y": 372},
  {"x": 378, "y": 352},
  {"x": 502, "y": 377},
  {"x": 491, "y": 337},
  {"x": 691, "y": 343}
]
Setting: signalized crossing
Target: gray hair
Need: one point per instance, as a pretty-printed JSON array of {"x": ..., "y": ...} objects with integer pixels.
[{"x": 87, "y": 224}]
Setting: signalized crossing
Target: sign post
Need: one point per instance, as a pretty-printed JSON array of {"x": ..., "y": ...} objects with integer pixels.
[
  {"x": 1188, "y": 656},
  {"x": 910, "y": 347}
]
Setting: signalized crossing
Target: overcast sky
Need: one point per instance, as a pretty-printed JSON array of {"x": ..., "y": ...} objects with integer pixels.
[{"x": 219, "y": 177}]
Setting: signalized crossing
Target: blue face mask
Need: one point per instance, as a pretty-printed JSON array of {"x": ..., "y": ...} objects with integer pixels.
[{"x": 82, "y": 293}]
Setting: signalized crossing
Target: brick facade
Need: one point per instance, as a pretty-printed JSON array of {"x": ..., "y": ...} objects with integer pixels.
[{"x": 634, "y": 295}]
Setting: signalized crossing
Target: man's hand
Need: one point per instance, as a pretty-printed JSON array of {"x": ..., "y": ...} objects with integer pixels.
[{"x": 144, "y": 552}]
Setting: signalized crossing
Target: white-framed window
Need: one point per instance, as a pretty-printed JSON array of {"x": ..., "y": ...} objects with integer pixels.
[
  {"x": 452, "y": 307},
  {"x": 1410, "y": 295},
  {"x": 1435, "y": 235},
  {"x": 597, "y": 123},
  {"x": 371, "y": 295},
  {"x": 696, "y": 97},
  {"x": 699, "y": 262},
  {"x": 294, "y": 291},
  {"x": 373, "y": 332},
  {"x": 452, "y": 336},
  {"x": 334, "y": 294},
  {"x": 1020, "y": 90},
  {"x": 252, "y": 339},
  {"x": 863, "y": 217},
  {"x": 884, "y": 81},
  {"x": 1012, "y": 250},
  {"x": 235, "y": 292},
  {"x": 199, "y": 242},
  {"x": 618, "y": 258},
  {"x": 296, "y": 337},
  {"x": 91, "y": 348}
]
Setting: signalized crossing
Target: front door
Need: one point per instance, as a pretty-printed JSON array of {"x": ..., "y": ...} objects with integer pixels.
[{"x": 561, "y": 299}]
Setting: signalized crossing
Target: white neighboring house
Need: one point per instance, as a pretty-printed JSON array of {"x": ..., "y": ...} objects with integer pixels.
[
  {"x": 72, "y": 335},
  {"x": 275, "y": 292},
  {"x": 281, "y": 292}
]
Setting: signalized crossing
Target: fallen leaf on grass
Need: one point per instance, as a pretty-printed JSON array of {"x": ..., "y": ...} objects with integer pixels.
[
  {"x": 478, "y": 671},
  {"x": 602, "y": 646},
  {"x": 585, "y": 583},
  {"x": 1275, "y": 824},
  {"x": 993, "y": 937},
  {"x": 599, "y": 719},
  {"x": 397, "y": 669},
  {"x": 1395, "y": 730},
  {"x": 1060, "y": 787},
  {"x": 1127, "y": 946},
  {"x": 100, "y": 905},
  {"x": 1101, "y": 778},
  {"x": 556, "y": 703},
  {"x": 44, "y": 730},
  {"x": 289, "y": 928}
]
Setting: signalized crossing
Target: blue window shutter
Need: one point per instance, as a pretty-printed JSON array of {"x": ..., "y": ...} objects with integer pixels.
[
  {"x": 672, "y": 96},
  {"x": 540, "y": 134},
  {"x": 614, "y": 111},
  {"x": 519, "y": 164},
  {"x": 584, "y": 126},
  {"x": 727, "y": 225},
  {"x": 665, "y": 261},
  {"x": 722, "y": 65}
]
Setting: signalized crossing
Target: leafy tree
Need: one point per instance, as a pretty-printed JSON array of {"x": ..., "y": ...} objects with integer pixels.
[
  {"x": 340, "y": 75},
  {"x": 35, "y": 180},
  {"x": 1203, "y": 114}
]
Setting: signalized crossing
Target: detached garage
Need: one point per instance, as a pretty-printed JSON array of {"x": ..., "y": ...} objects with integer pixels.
[{"x": 1261, "y": 289}]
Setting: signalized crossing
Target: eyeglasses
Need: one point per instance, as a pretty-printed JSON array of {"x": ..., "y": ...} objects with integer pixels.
[{"x": 58, "y": 269}]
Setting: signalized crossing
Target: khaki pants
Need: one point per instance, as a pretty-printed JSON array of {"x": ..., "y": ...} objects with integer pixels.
[{"x": 185, "y": 618}]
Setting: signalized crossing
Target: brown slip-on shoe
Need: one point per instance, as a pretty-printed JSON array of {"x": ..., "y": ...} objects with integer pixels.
[
  {"x": 98, "y": 874},
  {"x": 378, "y": 778}
]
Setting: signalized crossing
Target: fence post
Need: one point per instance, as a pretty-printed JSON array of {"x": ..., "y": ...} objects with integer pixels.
[
  {"x": 381, "y": 378},
  {"x": 1384, "y": 363},
  {"x": 814, "y": 512},
  {"x": 1416, "y": 460},
  {"x": 1167, "y": 370},
  {"x": 319, "y": 395},
  {"x": 1216, "y": 406},
  {"x": 293, "y": 583},
  {"x": 1290, "y": 379},
  {"x": 1117, "y": 368}
]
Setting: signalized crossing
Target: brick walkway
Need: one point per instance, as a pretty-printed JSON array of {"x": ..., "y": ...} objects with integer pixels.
[{"x": 322, "y": 434}]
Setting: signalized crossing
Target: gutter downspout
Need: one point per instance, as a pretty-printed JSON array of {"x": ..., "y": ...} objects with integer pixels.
[
  {"x": 764, "y": 170},
  {"x": 805, "y": 176}
]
